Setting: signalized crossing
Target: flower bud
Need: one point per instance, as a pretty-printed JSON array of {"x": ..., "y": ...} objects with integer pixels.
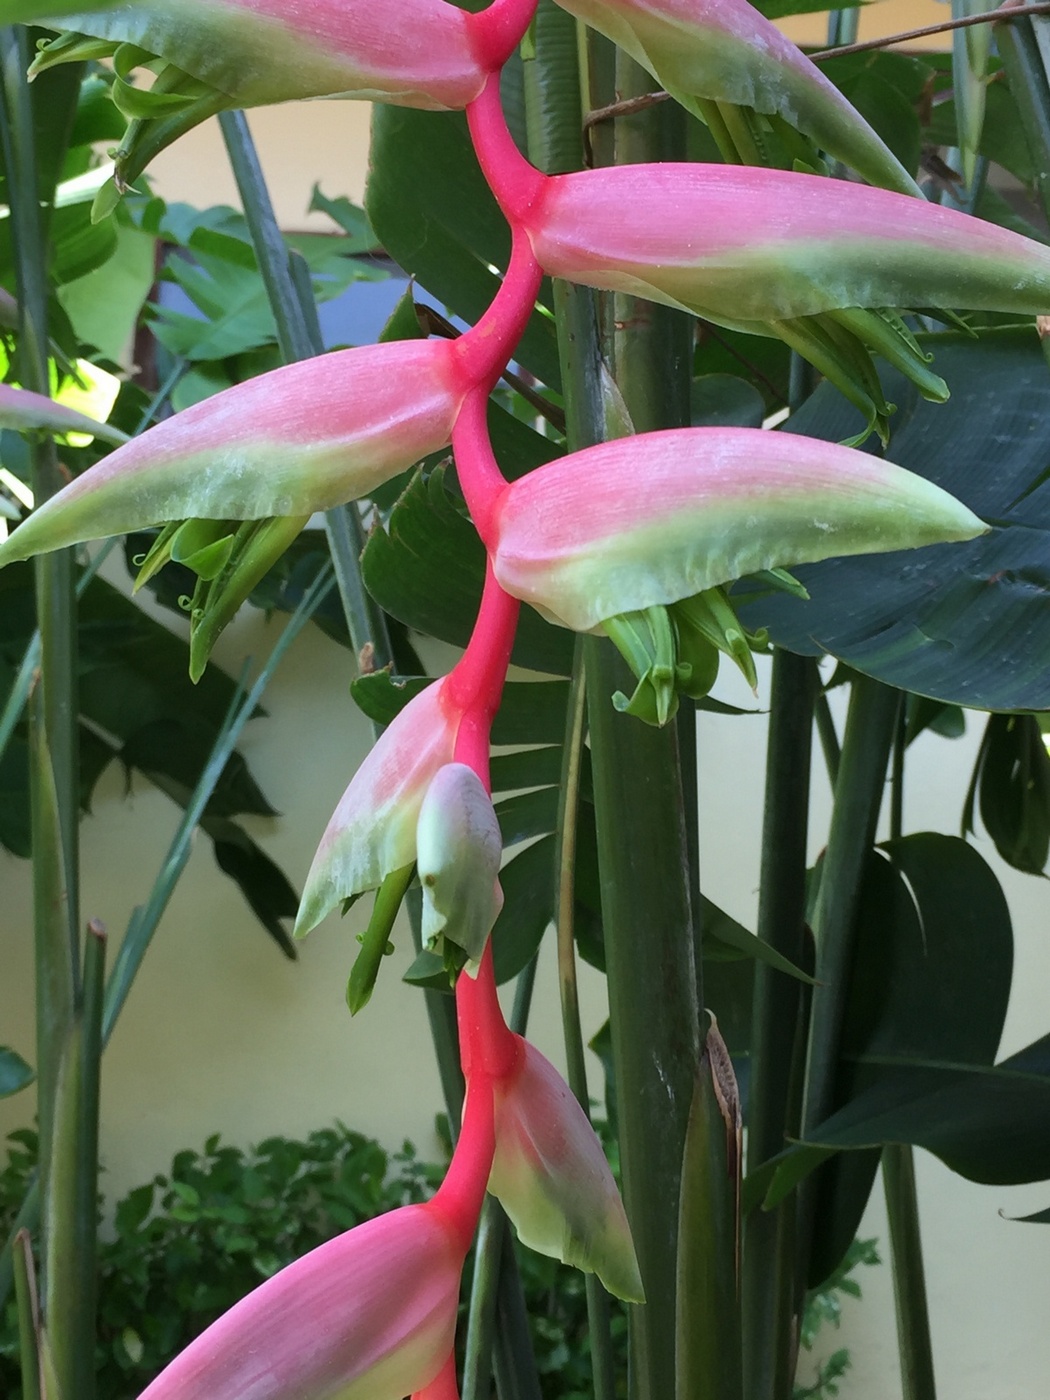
[
  {"x": 419, "y": 53},
  {"x": 741, "y": 245},
  {"x": 373, "y": 830},
  {"x": 458, "y": 848}
]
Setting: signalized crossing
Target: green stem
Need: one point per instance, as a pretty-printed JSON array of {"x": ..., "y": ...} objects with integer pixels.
[
  {"x": 866, "y": 746},
  {"x": 54, "y": 769},
  {"x": 28, "y": 1309},
  {"x": 72, "y": 1203},
  {"x": 914, "y": 1340},
  {"x": 493, "y": 1258},
  {"x": 843, "y": 26},
  {"x": 299, "y": 337},
  {"x": 914, "y": 1343},
  {"x": 770, "y": 1329},
  {"x": 481, "y": 1313},
  {"x": 867, "y": 740},
  {"x": 603, "y": 1363},
  {"x": 26, "y": 1219},
  {"x": 828, "y": 735}
]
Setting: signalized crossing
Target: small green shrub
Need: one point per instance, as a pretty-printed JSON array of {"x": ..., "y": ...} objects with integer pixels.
[{"x": 185, "y": 1247}]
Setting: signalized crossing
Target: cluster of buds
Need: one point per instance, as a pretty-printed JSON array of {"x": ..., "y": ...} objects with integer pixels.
[{"x": 637, "y": 538}]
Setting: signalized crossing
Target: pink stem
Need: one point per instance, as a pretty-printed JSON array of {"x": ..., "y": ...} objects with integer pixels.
[
  {"x": 460, "y": 1196},
  {"x": 482, "y": 353},
  {"x": 497, "y": 31},
  {"x": 475, "y": 683},
  {"x": 488, "y": 1048},
  {"x": 518, "y": 186},
  {"x": 476, "y": 465}
]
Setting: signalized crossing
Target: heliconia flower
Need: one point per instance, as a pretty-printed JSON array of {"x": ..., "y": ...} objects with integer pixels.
[
  {"x": 24, "y": 411},
  {"x": 373, "y": 830},
  {"x": 646, "y": 520},
  {"x": 551, "y": 1176},
  {"x": 458, "y": 848},
  {"x": 305, "y": 437},
  {"x": 443, "y": 1386},
  {"x": 419, "y": 53},
  {"x": 726, "y": 51},
  {"x": 742, "y": 245},
  {"x": 368, "y": 1316}
]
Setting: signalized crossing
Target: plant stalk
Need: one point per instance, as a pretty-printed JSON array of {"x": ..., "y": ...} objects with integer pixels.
[
  {"x": 914, "y": 1338},
  {"x": 868, "y": 738},
  {"x": 770, "y": 1321},
  {"x": 299, "y": 337},
  {"x": 914, "y": 1342}
]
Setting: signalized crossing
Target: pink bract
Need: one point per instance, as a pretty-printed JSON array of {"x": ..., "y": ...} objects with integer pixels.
[
  {"x": 373, "y": 830},
  {"x": 551, "y": 1176},
  {"x": 649, "y": 520},
  {"x": 745, "y": 245},
  {"x": 368, "y": 1316},
  {"x": 302, "y": 438}
]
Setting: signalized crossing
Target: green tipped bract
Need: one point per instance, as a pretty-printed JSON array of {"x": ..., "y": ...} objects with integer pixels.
[
  {"x": 652, "y": 519},
  {"x": 299, "y": 439}
]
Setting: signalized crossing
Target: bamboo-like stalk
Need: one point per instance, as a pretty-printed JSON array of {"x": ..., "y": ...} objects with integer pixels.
[
  {"x": 72, "y": 1200},
  {"x": 914, "y": 1341},
  {"x": 68, "y": 1303},
  {"x": 866, "y": 747},
  {"x": 643, "y": 850},
  {"x": 554, "y": 120},
  {"x": 914, "y": 1338},
  {"x": 298, "y": 335},
  {"x": 770, "y": 1321}
]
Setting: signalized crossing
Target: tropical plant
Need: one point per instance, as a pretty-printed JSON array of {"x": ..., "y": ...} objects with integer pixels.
[{"x": 874, "y": 993}]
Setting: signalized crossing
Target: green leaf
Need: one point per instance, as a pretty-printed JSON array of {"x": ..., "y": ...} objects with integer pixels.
[
  {"x": 270, "y": 895},
  {"x": 427, "y": 569},
  {"x": 725, "y": 401},
  {"x": 104, "y": 305},
  {"x": 926, "y": 1008},
  {"x": 528, "y": 814},
  {"x": 528, "y": 907},
  {"x": 1012, "y": 778},
  {"x": 15, "y": 1074},
  {"x": 350, "y": 217},
  {"x": 961, "y": 623},
  {"x": 733, "y": 940},
  {"x": 436, "y": 217}
]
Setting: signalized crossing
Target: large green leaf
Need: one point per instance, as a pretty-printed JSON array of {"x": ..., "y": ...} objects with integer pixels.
[
  {"x": 138, "y": 707},
  {"x": 928, "y": 996},
  {"x": 221, "y": 278},
  {"x": 964, "y": 623},
  {"x": 930, "y": 981},
  {"x": 436, "y": 217}
]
